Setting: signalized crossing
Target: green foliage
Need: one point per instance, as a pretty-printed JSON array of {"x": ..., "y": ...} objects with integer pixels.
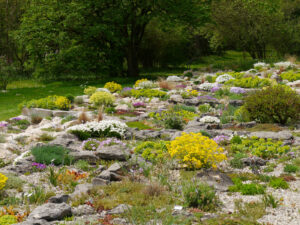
[
  {"x": 113, "y": 86},
  {"x": 236, "y": 140},
  {"x": 67, "y": 119},
  {"x": 205, "y": 133},
  {"x": 45, "y": 137},
  {"x": 81, "y": 135},
  {"x": 242, "y": 114},
  {"x": 138, "y": 124},
  {"x": 14, "y": 182},
  {"x": 110, "y": 110},
  {"x": 174, "y": 121},
  {"x": 102, "y": 98},
  {"x": 290, "y": 75},
  {"x": 227, "y": 114},
  {"x": 198, "y": 195},
  {"x": 249, "y": 82},
  {"x": 82, "y": 165},
  {"x": 270, "y": 201},
  {"x": 290, "y": 168},
  {"x": 149, "y": 93},
  {"x": 236, "y": 162},
  {"x": 38, "y": 195},
  {"x": 8, "y": 219},
  {"x": 246, "y": 189},
  {"x": 8, "y": 73},
  {"x": 70, "y": 98},
  {"x": 152, "y": 151},
  {"x": 51, "y": 102},
  {"x": 205, "y": 108},
  {"x": 178, "y": 108},
  {"x": 261, "y": 147},
  {"x": 90, "y": 90},
  {"x": 277, "y": 104},
  {"x": 48, "y": 154},
  {"x": 278, "y": 183},
  {"x": 2, "y": 138}
]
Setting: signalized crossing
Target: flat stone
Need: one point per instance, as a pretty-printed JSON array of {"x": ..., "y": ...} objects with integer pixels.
[
  {"x": 282, "y": 135},
  {"x": 59, "y": 199},
  {"x": 88, "y": 156},
  {"x": 119, "y": 209},
  {"x": 61, "y": 113},
  {"x": 99, "y": 182},
  {"x": 51, "y": 212},
  {"x": 220, "y": 181},
  {"x": 38, "y": 112},
  {"x": 114, "y": 152},
  {"x": 81, "y": 189},
  {"x": 105, "y": 175},
  {"x": 116, "y": 167},
  {"x": 83, "y": 210}
]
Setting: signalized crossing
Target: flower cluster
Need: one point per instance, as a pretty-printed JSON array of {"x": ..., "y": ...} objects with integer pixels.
[
  {"x": 221, "y": 138},
  {"x": 139, "y": 105},
  {"x": 146, "y": 85},
  {"x": 103, "y": 128},
  {"x": 223, "y": 78},
  {"x": 206, "y": 86},
  {"x": 139, "y": 81},
  {"x": 284, "y": 65},
  {"x": 174, "y": 79},
  {"x": 102, "y": 98},
  {"x": 209, "y": 119},
  {"x": 3, "y": 124},
  {"x": 215, "y": 89},
  {"x": 3, "y": 180},
  {"x": 260, "y": 65},
  {"x": 113, "y": 87},
  {"x": 237, "y": 90},
  {"x": 38, "y": 166},
  {"x": 181, "y": 86},
  {"x": 196, "y": 151},
  {"x": 16, "y": 118},
  {"x": 207, "y": 97},
  {"x": 89, "y": 90},
  {"x": 94, "y": 144}
]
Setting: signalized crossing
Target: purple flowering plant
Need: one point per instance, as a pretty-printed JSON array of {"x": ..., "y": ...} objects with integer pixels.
[
  {"x": 139, "y": 105},
  {"x": 220, "y": 139},
  {"x": 38, "y": 166},
  {"x": 94, "y": 144},
  {"x": 207, "y": 97},
  {"x": 237, "y": 90}
]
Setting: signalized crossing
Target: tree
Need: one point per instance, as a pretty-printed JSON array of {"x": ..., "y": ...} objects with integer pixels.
[
  {"x": 248, "y": 25},
  {"x": 67, "y": 36}
]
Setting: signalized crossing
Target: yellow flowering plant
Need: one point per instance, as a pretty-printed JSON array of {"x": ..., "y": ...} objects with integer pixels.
[
  {"x": 113, "y": 86},
  {"x": 63, "y": 103},
  {"x": 89, "y": 90},
  {"x": 3, "y": 180},
  {"x": 196, "y": 151}
]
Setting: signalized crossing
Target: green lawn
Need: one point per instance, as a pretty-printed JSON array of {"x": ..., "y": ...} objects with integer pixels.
[{"x": 27, "y": 90}]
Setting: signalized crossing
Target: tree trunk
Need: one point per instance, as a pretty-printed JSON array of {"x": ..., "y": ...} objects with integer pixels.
[{"x": 132, "y": 61}]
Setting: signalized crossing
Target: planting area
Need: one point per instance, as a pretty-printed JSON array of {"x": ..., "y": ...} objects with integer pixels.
[{"x": 197, "y": 148}]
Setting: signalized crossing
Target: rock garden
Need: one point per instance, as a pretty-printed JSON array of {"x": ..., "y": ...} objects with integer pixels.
[{"x": 201, "y": 148}]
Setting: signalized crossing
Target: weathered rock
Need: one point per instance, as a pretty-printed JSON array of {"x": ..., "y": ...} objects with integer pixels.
[
  {"x": 119, "y": 209},
  {"x": 81, "y": 189},
  {"x": 59, "y": 199},
  {"x": 116, "y": 167},
  {"x": 122, "y": 107},
  {"x": 99, "y": 182},
  {"x": 22, "y": 166},
  {"x": 236, "y": 102},
  {"x": 119, "y": 221},
  {"x": 282, "y": 135},
  {"x": 174, "y": 78},
  {"x": 254, "y": 161},
  {"x": 246, "y": 125},
  {"x": 220, "y": 181},
  {"x": 68, "y": 141},
  {"x": 88, "y": 156},
  {"x": 38, "y": 112},
  {"x": 51, "y": 212},
  {"x": 61, "y": 113},
  {"x": 176, "y": 99},
  {"x": 83, "y": 210},
  {"x": 34, "y": 222},
  {"x": 115, "y": 152},
  {"x": 105, "y": 175}
]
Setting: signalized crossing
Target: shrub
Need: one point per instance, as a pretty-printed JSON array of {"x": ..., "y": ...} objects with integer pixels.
[
  {"x": 104, "y": 128},
  {"x": 205, "y": 108},
  {"x": 173, "y": 121},
  {"x": 249, "y": 82},
  {"x": 246, "y": 189},
  {"x": 178, "y": 108},
  {"x": 275, "y": 104},
  {"x": 269, "y": 200},
  {"x": 78, "y": 100},
  {"x": 290, "y": 168},
  {"x": 242, "y": 114},
  {"x": 102, "y": 98},
  {"x": 149, "y": 93},
  {"x": 48, "y": 154},
  {"x": 236, "y": 140},
  {"x": 261, "y": 147},
  {"x": 50, "y": 102},
  {"x": 45, "y": 137},
  {"x": 184, "y": 114},
  {"x": 113, "y": 87},
  {"x": 110, "y": 110},
  {"x": 8, "y": 219},
  {"x": 290, "y": 75},
  {"x": 196, "y": 151},
  {"x": 36, "y": 119},
  {"x": 202, "y": 196},
  {"x": 278, "y": 183},
  {"x": 89, "y": 90},
  {"x": 70, "y": 98},
  {"x": 152, "y": 151},
  {"x": 3, "y": 180},
  {"x": 90, "y": 145},
  {"x": 138, "y": 124},
  {"x": 82, "y": 165}
]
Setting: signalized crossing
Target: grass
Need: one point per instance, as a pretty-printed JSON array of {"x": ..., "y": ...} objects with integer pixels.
[{"x": 20, "y": 91}]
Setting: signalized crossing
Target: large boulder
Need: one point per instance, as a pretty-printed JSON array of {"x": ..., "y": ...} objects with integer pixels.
[
  {"x": 51, "y": 212},
  {"x": 114, "y": 152},
  {"x": 282, "y": 135}
]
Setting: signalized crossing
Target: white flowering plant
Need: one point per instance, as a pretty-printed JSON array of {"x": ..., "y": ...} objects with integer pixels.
[
  {"x": 223, "y": 78},
  {"x": 209, "y": 119},
  {"x": 104, "y": 128},
  {"x": 207, "y": 86},
  {"x": 261, "y": 65},
  {"x": 146, "y": 85},
  {"x": 284, "y": 65}
]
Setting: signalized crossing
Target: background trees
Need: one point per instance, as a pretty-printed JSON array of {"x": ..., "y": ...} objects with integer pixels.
[{"x": 74, "y": 39}]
